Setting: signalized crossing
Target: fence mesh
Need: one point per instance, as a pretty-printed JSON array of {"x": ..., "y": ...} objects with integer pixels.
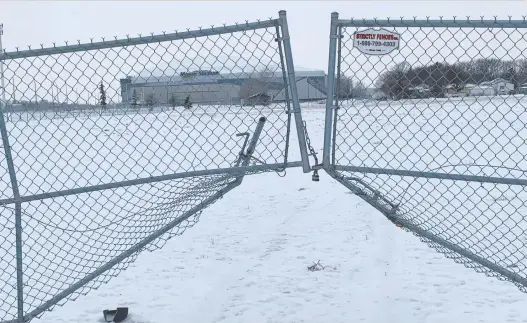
[
  {"x": 118, "y": 145},
  {"x": 8, "y": 300},
  {"x": 432, "y": 134},
  {"x": 92, "y": 117},
  {"x": 67, "y": 238}
]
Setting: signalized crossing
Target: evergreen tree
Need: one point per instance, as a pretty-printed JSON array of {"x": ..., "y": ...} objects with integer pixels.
[
  {"x": 187, "y": 104},
  {"x": 102, "y": 92},
  {"x": 134, "y": 97}
]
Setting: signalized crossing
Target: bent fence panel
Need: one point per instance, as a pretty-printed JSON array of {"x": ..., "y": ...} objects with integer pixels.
[
  {"x": 115, "y": 146},
  {"x": 426, "y": 121}
]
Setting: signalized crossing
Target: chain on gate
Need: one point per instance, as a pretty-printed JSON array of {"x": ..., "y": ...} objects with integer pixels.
[{"x": 315, "y": 177}]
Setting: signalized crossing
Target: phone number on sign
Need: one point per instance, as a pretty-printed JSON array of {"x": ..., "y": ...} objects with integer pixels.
[{"x": 376, "y": 43}]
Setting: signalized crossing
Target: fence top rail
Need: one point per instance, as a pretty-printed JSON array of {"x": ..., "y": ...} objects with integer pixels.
[
  {"x": 141, "y": 40},
  {"x": 434, "y": 23}
]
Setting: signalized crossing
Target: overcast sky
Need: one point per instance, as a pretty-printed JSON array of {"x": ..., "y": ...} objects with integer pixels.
[
  {"x": 44, "y": 22},
  {"x": 36, "y": 22}
]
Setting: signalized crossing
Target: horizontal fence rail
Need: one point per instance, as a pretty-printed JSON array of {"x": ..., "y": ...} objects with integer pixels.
[
  {"x": 433, "y": 23},
  {"x": 114, "y": 147},
  {"x": 213, "y": 86},
  {"x": 425, "y": 120}
]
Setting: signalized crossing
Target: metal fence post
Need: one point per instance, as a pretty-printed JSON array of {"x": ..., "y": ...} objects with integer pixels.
[
  {"x": 18, "y": 218},
  {"x": 286, "y": 95},
  {"x": 333, "y": 35},
  {"x": 18, "y": 215},
  {"x": 294, "y": 92},
  {"x": 16, "y": 193},
  {"x": 2, "y": 81}
]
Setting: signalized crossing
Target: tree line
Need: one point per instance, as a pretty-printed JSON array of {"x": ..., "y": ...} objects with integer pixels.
[
  {"x": 150, "y": 99},
  {"x": 173, "y": 101},
  {"x": 398, "y": 81},
  {"x": 347, "y": 88}
]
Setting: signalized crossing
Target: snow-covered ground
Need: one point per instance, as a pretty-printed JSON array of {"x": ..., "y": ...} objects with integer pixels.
[
  {"x": 247, "y": 258},
  {"x": 480, "y": 136}
]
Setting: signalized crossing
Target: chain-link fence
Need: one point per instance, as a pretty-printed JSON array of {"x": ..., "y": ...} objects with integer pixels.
[
  {"x": 427, "y": 123},
  {"x": 113, "y": 147}
]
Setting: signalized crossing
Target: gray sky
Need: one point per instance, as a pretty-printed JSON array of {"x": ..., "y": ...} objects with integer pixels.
[
  {"x": 36, "y": 22},
  {"x": 44, "y": 22}
]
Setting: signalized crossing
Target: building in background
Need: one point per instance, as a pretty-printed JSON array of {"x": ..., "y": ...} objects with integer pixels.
[
  {"x": 500, "y": 86},
  {"x": 482, "y": 90},
  {"x": 211, "y": 87}
]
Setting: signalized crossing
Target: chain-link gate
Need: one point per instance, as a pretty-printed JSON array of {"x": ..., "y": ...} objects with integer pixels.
[
  {"x": 426, "y": 122},
  {"x": 113, "y": 147}
]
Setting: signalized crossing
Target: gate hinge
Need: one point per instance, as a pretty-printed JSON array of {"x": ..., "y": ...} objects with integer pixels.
[{"x": 279, "y": 39}]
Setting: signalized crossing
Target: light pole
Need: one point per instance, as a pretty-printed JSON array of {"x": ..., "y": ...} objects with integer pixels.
[{"x": 2, "y": 81}]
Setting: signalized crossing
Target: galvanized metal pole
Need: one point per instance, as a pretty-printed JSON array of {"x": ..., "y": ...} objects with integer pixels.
[
  {"x": 294, "y": 92},
  {"x": 286, "y": 96},
  {"x": 254, "y": 140},
  {"x": 333, "y": 35},
  {"x": 16, "y": 193},
  {"x": 2, "y": 80}
]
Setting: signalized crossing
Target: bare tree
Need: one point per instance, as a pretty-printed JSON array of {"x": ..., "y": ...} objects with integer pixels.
[
  {"x": 150, "y": 99},
  {"x": 173, "y": 101},
  {"x": 398, "y": 81},
  {"x": 257, "y": 83},
  {"x": 395, "y": 83},
  {"x": 359, "y": 91},
  {"x": 265, "y": 74},
  {"x": 345, "y": 86}
]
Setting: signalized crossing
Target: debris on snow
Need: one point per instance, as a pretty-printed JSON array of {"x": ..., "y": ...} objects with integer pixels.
[{"x": 316, "y": 267}]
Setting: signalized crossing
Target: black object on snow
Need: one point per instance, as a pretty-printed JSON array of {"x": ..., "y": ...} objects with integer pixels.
[{"x": 117, "y": 315}]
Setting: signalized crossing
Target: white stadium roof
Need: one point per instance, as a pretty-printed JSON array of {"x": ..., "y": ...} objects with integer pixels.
[{"x": 165, "y": 77}]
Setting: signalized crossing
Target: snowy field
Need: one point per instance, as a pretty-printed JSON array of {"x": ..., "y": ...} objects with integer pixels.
[
  {"x": 479, "y": 136},
  {"x": 69, "y": 237},
  {"x": 247, "y": 258},
  {"x": 436, "y": 135},
  {"x": 54, "y": 154}
]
